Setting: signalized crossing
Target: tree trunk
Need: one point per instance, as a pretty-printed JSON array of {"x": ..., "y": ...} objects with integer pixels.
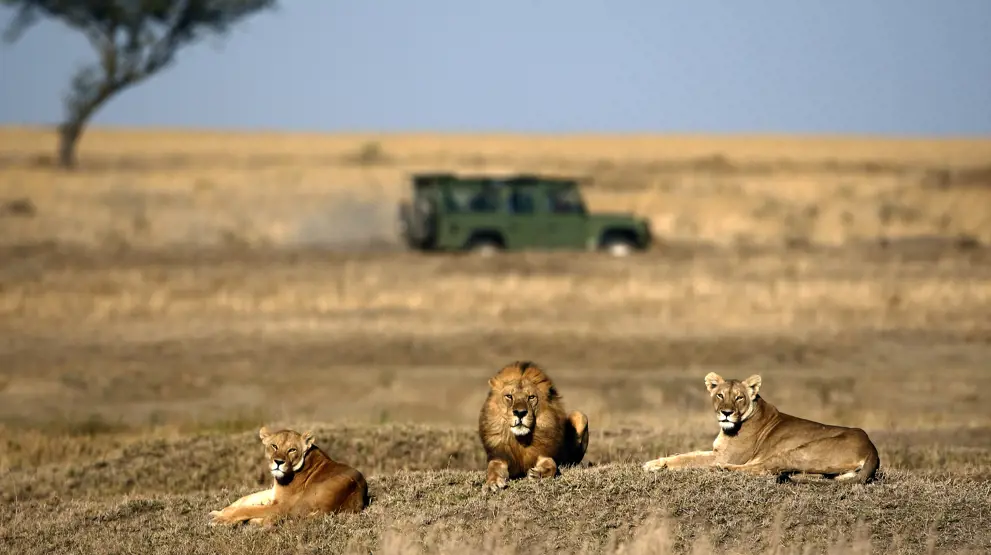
[
  {"x": 69, "y": 133},
  {"x": 80, "y": 110}
]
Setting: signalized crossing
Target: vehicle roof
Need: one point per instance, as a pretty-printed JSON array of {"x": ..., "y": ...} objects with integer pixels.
[{"x": 495, "y": 180}]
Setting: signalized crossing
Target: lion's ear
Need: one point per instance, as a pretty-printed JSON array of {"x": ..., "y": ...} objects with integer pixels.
[
  {"x": 308, "y": 439},
  {"x": 263, "y": 433},
  {"x": 552, "y": 393},
  {"x": 493, "y": 383},
  {"x": 753, "y": 383},
  {"x": 713, "y": 379}
]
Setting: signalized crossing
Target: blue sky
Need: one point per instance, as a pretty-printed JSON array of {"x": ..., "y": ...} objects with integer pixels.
[{"x": 880, "y": 67}]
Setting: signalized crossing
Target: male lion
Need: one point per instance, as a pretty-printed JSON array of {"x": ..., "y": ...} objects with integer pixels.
[
  {"x": 307, "y": 483},
  {"x": 756, "y": 438},
  {"x": 524, "y": 428}
]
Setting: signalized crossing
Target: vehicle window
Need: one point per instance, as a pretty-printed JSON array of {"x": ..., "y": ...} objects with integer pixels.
[
  {"x": 486, "y": 200},
  {"x": 521, "y": 201},
  {"x": 565, "y": 200},
  {"x": 458, "y": 200}
]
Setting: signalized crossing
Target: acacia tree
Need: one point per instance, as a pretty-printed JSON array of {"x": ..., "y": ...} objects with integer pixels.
[{"x": 134, "y": 39}]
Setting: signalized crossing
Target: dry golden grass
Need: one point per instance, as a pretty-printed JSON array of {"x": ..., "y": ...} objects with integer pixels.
[
  {"x": 707, "y": 293},
  {"x": 167, "y": 188},
  {"x": 109, "y": 143},
  {"x": 129, "y": 376}
]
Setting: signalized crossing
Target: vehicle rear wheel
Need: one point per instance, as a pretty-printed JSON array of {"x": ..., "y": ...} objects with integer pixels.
[{"x": 484, "y": 247}]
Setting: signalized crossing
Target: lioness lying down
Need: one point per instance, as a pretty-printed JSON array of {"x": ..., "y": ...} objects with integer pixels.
[
  {"x": 756, "y": 438},
  {"x": 525, "y": 429},
  {"x": 307, "y": 483}
]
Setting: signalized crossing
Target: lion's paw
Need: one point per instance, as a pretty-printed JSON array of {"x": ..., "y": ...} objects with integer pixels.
[
  {"x": 496, "y": 485},
  {"x": 220, "y": 518},
  {"x": 656, "y": 464}
]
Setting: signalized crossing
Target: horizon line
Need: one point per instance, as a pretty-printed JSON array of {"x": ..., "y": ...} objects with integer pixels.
[{"x": 797, "y": 135}]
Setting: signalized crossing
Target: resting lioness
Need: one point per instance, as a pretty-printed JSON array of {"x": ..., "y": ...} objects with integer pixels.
[
  {"x": 755, "y": 437},
  {"x": 307, "y": 482},
  {"x": 525, "y": 429}
]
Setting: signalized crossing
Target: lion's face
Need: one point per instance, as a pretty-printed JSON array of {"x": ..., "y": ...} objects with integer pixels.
[
  {"x": 521, "y": 393},
  {"x": 733, "y": 401},
  {"x": 521, "y": 404},
  {"x": 286, "y": 451}
]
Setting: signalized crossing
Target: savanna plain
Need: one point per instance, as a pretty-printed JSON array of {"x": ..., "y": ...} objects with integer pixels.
[{"x": 181, "y": 289}]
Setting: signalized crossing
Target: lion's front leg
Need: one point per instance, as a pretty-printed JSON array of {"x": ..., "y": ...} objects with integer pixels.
[
  {"x": 258, "y": 498},
  {"x": 497, "y": 475},
  {"x": 263, "y": 497},
  {"x": 544, "y": 468},
  {"x": 695, "y": 459},
  {"x": 259, "y": 514}
]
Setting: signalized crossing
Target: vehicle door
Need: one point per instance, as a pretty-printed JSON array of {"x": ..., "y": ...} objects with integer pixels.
[
  {"x": 525, "y": 227},
  {"x": 565, "y": 216}
]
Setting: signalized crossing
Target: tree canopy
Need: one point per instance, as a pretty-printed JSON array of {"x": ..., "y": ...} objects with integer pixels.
[{"x": 133, "y": 39}]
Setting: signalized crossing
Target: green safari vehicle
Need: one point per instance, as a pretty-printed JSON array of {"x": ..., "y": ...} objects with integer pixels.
[{"x": 523, "y": 212}]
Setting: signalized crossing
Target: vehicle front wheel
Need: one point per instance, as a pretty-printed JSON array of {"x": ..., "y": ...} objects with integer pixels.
[{"x": 618, "y": 246}]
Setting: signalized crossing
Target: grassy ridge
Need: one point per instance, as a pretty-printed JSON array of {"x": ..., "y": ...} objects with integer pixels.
[{"x": 426, "y": 492}]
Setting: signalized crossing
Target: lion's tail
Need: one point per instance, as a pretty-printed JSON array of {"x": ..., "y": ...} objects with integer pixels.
[{"x": 868, "y": 471}]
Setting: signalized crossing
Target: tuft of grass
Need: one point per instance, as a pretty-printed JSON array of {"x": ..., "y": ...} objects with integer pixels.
[{"x": 370, "y": 153}]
